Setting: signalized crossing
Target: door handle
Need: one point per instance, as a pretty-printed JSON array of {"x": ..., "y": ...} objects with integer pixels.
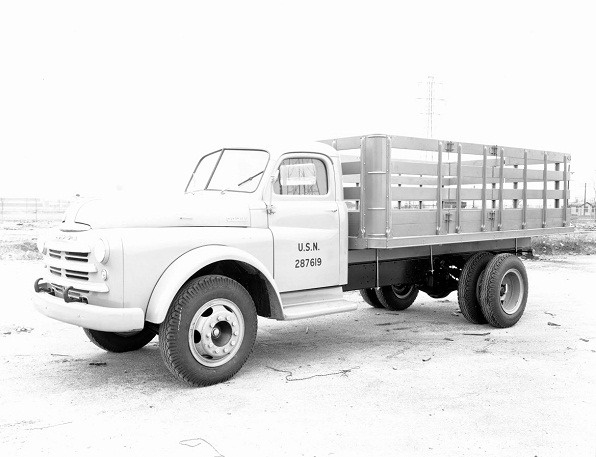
[{"x": 331, "y": 210}]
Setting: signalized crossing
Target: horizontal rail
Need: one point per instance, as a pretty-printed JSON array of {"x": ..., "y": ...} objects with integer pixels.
[
  {"x": 433, "y": 240},
  {"x": 430, "y": 194},
  {"x": 473, "y": 174},
  {"x": 425, "y": 144}
]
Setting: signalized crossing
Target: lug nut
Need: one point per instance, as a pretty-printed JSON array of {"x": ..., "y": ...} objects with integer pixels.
[
  {"x": 226, "y": 350},
  {"x": 234, "y": 324},
  {"x": 219, "y": 318},
  {"x": 233, "y": 343},
  {"x": 212, "y": 325},
  {"x": 236, "y": 333},
  {"x": 228, "y": 318}
]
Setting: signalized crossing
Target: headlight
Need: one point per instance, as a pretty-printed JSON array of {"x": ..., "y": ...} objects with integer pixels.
[{"x": 101, "y": 250}]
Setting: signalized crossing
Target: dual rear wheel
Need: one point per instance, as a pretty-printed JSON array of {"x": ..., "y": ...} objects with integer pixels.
[
  {"x": 396, "y": 298},
  {"x": 493, "y": 289}
]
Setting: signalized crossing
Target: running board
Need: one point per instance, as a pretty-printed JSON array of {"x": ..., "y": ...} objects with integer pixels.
[{"x": 315, "y": 302}]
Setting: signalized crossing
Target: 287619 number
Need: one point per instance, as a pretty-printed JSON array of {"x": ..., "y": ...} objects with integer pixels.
[{"x": 304, "y": 263}]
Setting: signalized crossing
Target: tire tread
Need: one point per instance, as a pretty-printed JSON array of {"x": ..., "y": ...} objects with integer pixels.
[
  {"x": 169, "y": 344},
  {"x": 490, "y": 287},
  {"x": 468, "y": 282}
]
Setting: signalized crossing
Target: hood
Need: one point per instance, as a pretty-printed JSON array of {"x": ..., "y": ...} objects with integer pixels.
[{"x": 205, "y": 209}]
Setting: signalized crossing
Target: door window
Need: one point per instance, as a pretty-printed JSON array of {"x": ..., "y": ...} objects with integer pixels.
[{"x": 301, "y": 176}]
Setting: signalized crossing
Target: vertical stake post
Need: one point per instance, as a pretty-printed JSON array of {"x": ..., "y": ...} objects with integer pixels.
[
  {"x": 483, "y": 193},
  {"x": 440, "y": 188},
  {"x": 544, "y": 189},
  {"x": 458, "y": 198},
  {"x": 501, "y": 185},
  {"x": 362, "y": 232},
  {"x": 525, "y": 191}
]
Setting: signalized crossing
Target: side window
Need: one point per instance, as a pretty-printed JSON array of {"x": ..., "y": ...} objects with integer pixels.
[{"x": 301, "y": 177}]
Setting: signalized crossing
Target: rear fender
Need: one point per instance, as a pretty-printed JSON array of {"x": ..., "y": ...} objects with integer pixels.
[{"x": 183, "y": 268}]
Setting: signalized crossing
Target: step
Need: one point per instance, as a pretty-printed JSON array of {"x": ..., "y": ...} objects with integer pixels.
[{"x": 315, "y": 302}]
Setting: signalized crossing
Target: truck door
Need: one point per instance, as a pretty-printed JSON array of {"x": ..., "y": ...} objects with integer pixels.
[{"x": 304, "y": 221}]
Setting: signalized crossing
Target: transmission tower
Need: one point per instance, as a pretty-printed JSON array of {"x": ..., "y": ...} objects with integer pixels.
[{"x": 430, "y": 98}]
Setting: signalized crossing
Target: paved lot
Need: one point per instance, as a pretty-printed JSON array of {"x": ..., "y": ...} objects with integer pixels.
[{"x": 423, "y": 382}]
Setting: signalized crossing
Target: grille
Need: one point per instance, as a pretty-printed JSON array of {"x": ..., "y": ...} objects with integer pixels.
[
  {"x": 72, "y": 274},
  {"x": 69, "y": 270},
  {"x": 66, "y": 255}
]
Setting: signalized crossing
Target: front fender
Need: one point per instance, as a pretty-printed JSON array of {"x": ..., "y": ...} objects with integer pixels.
[{"x": 187, "y": 265}]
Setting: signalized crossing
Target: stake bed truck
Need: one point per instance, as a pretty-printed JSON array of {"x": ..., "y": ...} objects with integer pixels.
[{"x": 283, "y": 232}]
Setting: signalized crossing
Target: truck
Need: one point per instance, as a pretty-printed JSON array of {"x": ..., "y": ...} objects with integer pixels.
[{"x": 283, "y": 231}]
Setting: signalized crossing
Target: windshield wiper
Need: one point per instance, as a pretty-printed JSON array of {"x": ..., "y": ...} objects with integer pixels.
[
  {"x": 245, "y": 181},
  {"x": 250, "y": 179}
]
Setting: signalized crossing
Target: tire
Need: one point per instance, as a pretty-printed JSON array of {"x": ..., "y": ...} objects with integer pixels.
[
  {"x": 370, "y": 297},
  {"x": 209, "y": 331},
  {"x": 397, "y": 297},
  {"x": 468, "y": 287},
  {"x": 439, "y": 293},
  {"x": 120, "y": 342},
  {"x": 504, "y": 291}
]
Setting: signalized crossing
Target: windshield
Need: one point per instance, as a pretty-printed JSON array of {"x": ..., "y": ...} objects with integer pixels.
[{"x": 234, "y": 170}]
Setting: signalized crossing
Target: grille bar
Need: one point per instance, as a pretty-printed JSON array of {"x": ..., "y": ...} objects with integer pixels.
[{"x": 77, "y": 256}]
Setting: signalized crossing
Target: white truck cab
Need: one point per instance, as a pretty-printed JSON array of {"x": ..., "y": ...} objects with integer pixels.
[{"x": 267, "y": 232}]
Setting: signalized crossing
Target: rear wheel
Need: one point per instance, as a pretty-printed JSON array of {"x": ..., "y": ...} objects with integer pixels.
[
  {"x": 468, "y": 288},
  {"x": 209, "y": 331},
  {"x": 440, "y": 292},
  {"x": 370, "y": 297},
  {"x": 120, "y": 342},
  {"x": 397, "y": 297},
  {"x": 504, "y": 291}
]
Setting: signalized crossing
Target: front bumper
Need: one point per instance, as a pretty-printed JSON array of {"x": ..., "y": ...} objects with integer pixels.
[{"x": 89, "y": 316}]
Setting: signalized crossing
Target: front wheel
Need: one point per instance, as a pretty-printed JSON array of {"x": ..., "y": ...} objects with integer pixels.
[
  {"x": 120, "y": 342},
  {"x": 397, "y": 297},
  {"x": 504, "y": 290},
  {"x": 209, "y": 331}
]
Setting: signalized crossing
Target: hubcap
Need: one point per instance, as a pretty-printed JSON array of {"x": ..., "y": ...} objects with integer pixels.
[
  {"x": 402, "y": 291},
  {"x": 216, "y": 332},
  {"x": 511, "y": 291}
]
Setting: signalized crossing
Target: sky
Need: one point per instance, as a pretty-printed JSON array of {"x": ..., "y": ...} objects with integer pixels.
[{"x": 99, "y": 97}]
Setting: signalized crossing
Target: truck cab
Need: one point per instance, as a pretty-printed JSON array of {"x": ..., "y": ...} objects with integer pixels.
[{"x": 271, "y": 220}]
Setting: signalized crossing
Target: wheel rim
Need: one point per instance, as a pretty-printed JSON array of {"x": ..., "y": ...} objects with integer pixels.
[
  {"x": 216, "y": 332},
  {"x": 402, "y": 291},
  {"x": 511, "y": 291}
]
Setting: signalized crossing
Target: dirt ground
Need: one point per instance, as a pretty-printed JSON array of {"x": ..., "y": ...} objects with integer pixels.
[{"x": 422, "y": 382}]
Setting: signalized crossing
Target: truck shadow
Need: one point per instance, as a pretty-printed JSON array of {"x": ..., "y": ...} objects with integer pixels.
[
  {"x": 352, "y": 335},
  {"x": 326, "y": 340}
]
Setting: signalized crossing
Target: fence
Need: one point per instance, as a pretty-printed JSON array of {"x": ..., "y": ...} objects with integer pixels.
[{"x": 32, "y": 209}]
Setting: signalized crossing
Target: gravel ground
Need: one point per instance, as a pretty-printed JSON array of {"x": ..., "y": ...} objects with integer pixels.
[{"x": 422, "y": 382}]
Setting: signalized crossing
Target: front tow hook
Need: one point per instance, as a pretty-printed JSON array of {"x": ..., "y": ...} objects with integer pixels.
[
  {"x": 66, "y": 297},
  {"x": 40, "y": 286}
]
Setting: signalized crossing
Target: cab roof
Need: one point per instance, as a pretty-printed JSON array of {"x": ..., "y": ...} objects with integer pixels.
[{"x": 278, "y": 149}]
